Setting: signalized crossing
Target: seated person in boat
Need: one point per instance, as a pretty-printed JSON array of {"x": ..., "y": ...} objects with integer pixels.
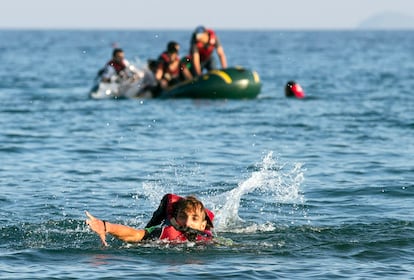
[
  {"x": 117, "y": 67},
  {"x": 170, "y": 70},
  {"x": 203, "y": 43},
  {"x": 177, "y": 219}
]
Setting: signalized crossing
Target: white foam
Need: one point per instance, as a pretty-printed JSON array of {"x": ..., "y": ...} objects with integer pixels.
[{"x": 271, "y": 180}]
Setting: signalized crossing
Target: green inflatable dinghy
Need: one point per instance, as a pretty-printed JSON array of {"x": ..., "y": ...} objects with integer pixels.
[{"x": 229, "y": 83}]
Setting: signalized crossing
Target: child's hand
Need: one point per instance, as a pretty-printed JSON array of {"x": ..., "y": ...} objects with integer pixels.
[{"x": 97, "y": 226}]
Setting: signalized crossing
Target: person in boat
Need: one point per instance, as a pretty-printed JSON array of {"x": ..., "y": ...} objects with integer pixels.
[
  {"x": 117, "y": 67},
  {"x": 203, "y": 43},
  {"x": 170, "y": 70},
  {"x": 177, "y": 219}
]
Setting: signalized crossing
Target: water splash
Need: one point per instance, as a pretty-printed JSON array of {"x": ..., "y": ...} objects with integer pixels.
[
  {"x": 152, "y": 192},
  {"x": 271, "y": 180},
  {"x": 272, "y": 185}
]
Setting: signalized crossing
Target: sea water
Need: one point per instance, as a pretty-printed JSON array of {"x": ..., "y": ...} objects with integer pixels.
[{"x": 320, "y": 188}]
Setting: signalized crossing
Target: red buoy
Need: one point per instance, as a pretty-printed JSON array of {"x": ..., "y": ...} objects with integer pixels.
[{"x": 293, "y": 89}]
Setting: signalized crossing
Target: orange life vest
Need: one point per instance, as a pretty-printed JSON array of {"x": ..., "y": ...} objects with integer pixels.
[
  {"x": 206, "y": 50},
  {"x": 165, "y": 214},
  {"x": 117, "y": 66},
  {"x": 166, "y": 63},
  {"x": 170, "y": 233}
]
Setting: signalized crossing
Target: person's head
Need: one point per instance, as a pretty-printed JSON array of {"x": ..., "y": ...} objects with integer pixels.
[
  {"x": 173, "y": 48},
  {"x": 118, "y": 55},
  {"x": 152, "y": 65},
  {"x": 200, "y": 34},
  {"x": 190, "y": 212}
]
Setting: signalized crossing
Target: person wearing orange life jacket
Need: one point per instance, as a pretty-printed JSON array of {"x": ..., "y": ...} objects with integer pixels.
[
  {"x": 115, "y": 67},
  {"x": 203, "y": 43},
  {"x": 170, "y": 70},
  {"x": 177, "y": 219},
  {"x": 173, "y": 220}
]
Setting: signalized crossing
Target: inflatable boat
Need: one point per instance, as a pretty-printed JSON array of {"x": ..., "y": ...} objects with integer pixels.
[
  {"x": 137, "y": 85},
  {"x": 229, "y": 83}
]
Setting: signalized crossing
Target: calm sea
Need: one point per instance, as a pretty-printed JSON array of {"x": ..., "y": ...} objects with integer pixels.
[{"x": 321, "y": 188}]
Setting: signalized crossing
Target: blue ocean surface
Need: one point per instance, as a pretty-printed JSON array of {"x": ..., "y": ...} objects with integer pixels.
[{"x": 319, "y": 188}]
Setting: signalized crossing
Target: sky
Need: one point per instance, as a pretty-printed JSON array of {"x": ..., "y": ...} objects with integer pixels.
[{"x": 186, "y": 14}]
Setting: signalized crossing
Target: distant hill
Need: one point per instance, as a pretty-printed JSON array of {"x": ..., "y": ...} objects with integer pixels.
[{"x": 388, "y": 20}]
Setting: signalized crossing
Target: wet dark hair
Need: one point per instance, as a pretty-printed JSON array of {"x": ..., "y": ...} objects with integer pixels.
[
  {"x": 152, "y": 64},
  {"x": 117, "y": 50},
  {"x": 172, "y": 47}
]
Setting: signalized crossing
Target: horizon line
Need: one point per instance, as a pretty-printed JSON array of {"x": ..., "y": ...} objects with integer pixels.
[{"x": 9, "y": 28}]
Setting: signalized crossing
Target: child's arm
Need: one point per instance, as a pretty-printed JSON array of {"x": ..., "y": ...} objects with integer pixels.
[{"x": 124, "y": 233}]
